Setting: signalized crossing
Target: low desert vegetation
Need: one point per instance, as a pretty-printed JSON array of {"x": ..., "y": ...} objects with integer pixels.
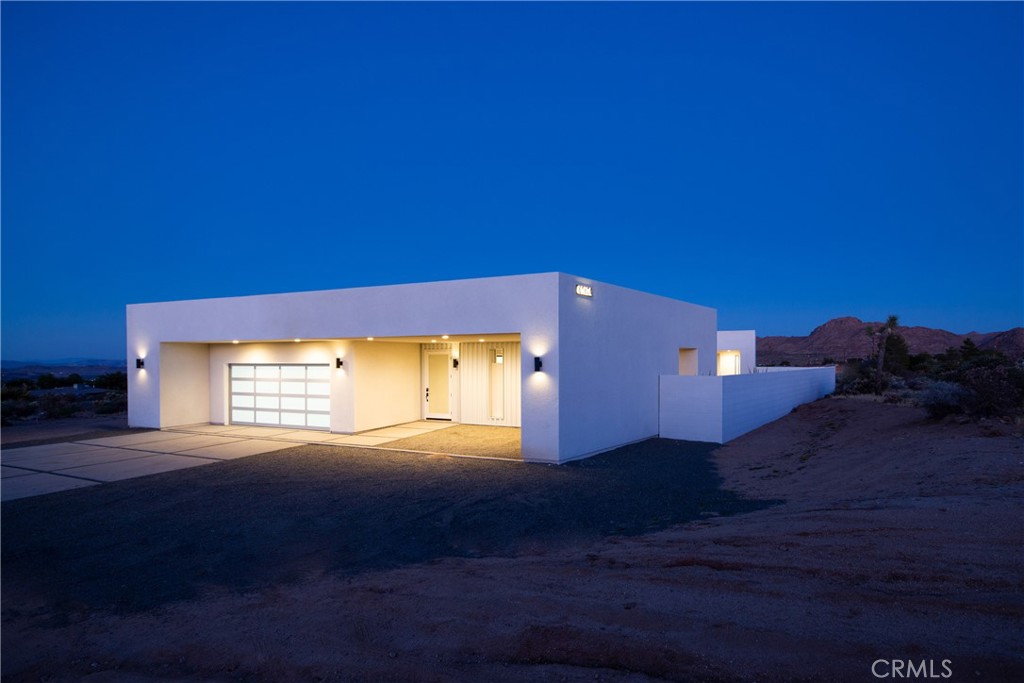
[
  {"x": 48, "y": 397},
  {"x": 966, "y": 381}
]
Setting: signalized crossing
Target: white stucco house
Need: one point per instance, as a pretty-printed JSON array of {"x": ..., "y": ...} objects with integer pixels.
[{"x": 580, "y": 366}]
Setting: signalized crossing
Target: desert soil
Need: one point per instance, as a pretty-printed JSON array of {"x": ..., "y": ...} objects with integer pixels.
[{"x": 848, "y": 532}]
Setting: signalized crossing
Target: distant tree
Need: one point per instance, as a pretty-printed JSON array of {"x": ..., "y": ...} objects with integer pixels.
[
  {"x": 969, "y": 350},
  {"x": 897, "y": 355},
  {"x": 75, "y": 378},
  {"x": 881, "y": 336},
  {"x": 921, "y": 362},
  {"x": 23, "y": 382},
  {"x": 113, "y": 381},
  {"x": 47, "y": 380}
]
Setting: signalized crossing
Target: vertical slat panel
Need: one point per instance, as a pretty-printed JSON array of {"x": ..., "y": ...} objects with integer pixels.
[{"x": 474, "y": 363}]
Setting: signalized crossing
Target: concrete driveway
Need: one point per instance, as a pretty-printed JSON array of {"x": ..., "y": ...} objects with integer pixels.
[{"x": 35, "y": 470}]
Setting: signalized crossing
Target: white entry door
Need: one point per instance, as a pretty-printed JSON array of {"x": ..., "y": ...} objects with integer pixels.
[
  {"x": 437, "y": 385},
  {"x": 296, "y": 396}
]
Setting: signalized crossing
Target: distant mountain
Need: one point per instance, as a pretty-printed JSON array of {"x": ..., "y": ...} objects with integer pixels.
[
  {"x": 86, "y": 367},
  {"x": 62, "y": 362},
  {"x": 843, "y": 338}
]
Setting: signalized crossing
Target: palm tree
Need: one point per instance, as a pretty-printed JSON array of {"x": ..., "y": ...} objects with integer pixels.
[{"x": 881, "y": 335}]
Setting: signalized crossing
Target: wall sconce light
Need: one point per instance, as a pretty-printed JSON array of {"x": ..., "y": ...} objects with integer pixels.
[
  {"x": 455, "y": 363},
  {"x": 339, "y": 363},
  {"x": 140, "y": 364},
  {"x": 537, "y": 364}
]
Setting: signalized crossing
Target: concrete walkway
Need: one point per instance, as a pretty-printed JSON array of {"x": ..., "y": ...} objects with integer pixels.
[{"x": 35, "y": 470}]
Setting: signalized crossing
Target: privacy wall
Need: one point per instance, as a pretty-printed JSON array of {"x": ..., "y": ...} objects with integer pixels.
[{"x": 719, "y": 409}]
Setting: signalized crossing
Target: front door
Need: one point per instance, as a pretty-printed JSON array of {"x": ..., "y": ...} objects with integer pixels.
[{"x": 437, "y": 395}]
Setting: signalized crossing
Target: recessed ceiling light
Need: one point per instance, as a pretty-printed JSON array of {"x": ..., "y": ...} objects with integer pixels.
[
  {"x": 234, "y": 341},
  {"x": 433, "y": 341},
  {"x": 481, "y": 340},
  {"x": 444, "y": 336},
  {"x": 296, "y": 340},
  {"x": 369, "y": 339}
]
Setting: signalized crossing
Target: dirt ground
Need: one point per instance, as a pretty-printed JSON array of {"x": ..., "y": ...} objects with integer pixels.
[{"x": 846, "y": 533}]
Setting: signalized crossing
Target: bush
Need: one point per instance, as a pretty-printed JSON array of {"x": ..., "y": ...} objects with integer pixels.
[
  {"x": 15, "y": 409},
  {"x": 112, "y": 403},
  {"x": 857, "y": 377},
  {"x": 118, "y": 381},
  {"x": 55, "y": 406},
  {"x": 943, "y": 398},
  {"x": 994, "y": 391}
]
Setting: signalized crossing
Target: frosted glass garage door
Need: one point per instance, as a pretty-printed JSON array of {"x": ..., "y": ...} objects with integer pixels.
[{"x": 281, "y": 395}]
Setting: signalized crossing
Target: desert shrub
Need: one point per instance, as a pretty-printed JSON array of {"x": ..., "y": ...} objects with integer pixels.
[
  {"x": 857, "y": 377},
  {"x": 55, "y": 406},
  {"x": 943, "y": 398},
  {"x": 994, "y": 390},
  {"x": 15, "y": 409},
  {"x": 16, "y": 390},
  {"x": 112, "y": 403}
]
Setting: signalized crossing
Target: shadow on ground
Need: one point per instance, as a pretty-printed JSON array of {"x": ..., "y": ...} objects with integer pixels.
[{"x": 309, "y": 510}]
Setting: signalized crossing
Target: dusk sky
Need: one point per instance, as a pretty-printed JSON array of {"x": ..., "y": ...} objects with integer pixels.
[{"x": 783, "y": 163}]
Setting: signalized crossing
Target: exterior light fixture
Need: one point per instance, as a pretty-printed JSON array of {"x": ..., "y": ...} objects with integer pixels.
[
  {"x": 455, "y": 363},
  {"x": 444, "y": 336},
  {"x": 537, "y": 364},
  {"x": 369, "y": 339},
  {"x": 296, "y": 340},
  {"x": 339, "y": 363},
  {"x": 234, "y": 341},
  {"x": 140, "y": 364},
  {"x": 480, "y": 340},
  {"x": 584, "y": 290}
]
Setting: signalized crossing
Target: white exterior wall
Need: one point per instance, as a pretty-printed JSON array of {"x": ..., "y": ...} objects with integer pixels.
[
  {"x": 744, "y": 341},
  {"x": 387, "y": 384},
  {"x": 614, "y": 346},
  {"x": 185, "y": 369},
  {"x": 524, "y": 304},
  {"x": 719, "y": 409}
]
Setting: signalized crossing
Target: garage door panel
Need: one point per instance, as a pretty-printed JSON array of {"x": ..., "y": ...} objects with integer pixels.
[
  {"x": 293, "y": 403},
  {"x": 268, "y": 371},
  {"x": 281, "y": 395},
  {"x": 322, "y": 405}
]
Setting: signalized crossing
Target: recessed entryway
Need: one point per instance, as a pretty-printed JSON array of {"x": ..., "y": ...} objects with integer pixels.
[{"x": 437, "y": 384}]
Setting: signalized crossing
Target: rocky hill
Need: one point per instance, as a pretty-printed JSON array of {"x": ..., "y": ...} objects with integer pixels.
[{"x": 843, "y": 338}]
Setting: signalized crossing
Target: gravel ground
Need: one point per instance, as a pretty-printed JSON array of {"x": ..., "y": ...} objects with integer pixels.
[
  {"x": 870, "y": 534},
  {"x": 490, "y": 442},
  {"x": 272, "y": 518}
]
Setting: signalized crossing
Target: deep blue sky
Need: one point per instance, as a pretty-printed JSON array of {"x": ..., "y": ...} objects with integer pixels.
[{"x": 784, "y": 163}]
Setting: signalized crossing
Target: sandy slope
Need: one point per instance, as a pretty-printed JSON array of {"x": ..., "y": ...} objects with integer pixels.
[{"x": 899, "y": 539}]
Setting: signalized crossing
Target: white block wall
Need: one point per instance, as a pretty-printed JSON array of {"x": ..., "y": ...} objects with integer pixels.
[
  {"x": 691, "y": 408},
  {"x": 719, "y": 409}
]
